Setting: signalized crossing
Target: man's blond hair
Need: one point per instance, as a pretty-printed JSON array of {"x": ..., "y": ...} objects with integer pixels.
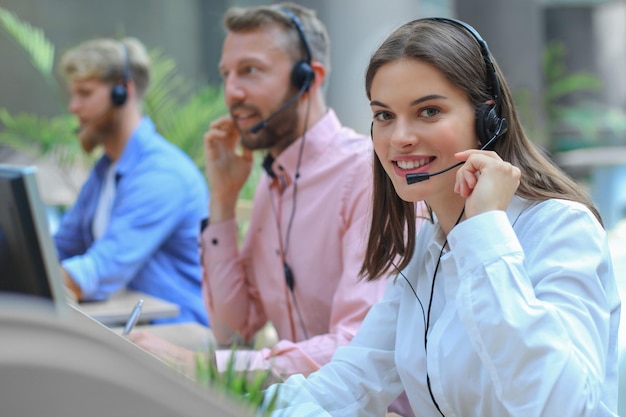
[{"x": 109, "y": 60}]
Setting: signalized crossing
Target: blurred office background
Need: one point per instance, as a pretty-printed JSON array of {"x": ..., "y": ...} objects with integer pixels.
[{"x": 590, "y": 33}]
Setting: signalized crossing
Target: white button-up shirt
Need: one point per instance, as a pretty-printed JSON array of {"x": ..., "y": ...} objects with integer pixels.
[{"x": 523, "y": 322}]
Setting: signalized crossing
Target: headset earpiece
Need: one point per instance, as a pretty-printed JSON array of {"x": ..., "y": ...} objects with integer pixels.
[
  {"x": 302, "y": 74},
  {"x": 119, "y": 92},
  {"x": 487, "y": 122}
]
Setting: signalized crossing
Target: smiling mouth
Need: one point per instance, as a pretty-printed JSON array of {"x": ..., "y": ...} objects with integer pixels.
[
  {"x": 414, "y": 163},
  {"x": 242, "y": 117}
]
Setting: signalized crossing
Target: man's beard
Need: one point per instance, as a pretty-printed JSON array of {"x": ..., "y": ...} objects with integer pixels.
[
  {"x": 280, "y": 131},
  {"x": 99, "y": 130}
]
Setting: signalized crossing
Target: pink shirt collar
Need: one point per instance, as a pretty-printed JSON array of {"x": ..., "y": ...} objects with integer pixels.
[{"x": 316, "y": 139}]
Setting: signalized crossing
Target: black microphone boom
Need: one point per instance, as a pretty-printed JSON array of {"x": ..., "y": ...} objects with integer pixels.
[
  {"x": 413, "y": 178},
  {"x": 282, "y": 108}
]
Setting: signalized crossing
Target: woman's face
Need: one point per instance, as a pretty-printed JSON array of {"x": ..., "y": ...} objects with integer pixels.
[{"x": 420, "y": 120}]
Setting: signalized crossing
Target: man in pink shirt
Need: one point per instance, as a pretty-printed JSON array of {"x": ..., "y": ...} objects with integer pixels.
[
  {"x": 299, "y": 261},
  {"x": 298, "y": 266}
]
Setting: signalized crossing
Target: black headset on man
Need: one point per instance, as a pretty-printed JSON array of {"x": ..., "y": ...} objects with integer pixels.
[
  {"x": 302, "y": 73},
  {"x": 302, "y": 76},
  {"x": 119, "y": 91}
]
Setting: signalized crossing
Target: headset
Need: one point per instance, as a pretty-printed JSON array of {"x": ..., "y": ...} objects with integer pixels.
[
  {"x": 119, "y": 91},
  {"x": 488, "y": 120},
  {"x": 489, "y": 125},
  {"x": 302, "y": 74}
]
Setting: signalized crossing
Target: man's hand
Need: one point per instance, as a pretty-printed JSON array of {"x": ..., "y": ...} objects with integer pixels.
[
  {"x": 74, "y": 291},
  {"x": 226, "y": 169}
]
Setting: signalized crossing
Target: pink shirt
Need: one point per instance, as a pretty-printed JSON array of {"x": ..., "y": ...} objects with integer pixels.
[{"x": 243, "y": 289}]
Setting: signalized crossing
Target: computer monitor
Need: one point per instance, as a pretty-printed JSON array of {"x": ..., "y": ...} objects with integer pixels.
[{"x": 28, "y": 261}]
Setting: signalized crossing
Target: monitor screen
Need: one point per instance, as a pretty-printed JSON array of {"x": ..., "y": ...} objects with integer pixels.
[{"x": 28, "y": 261}]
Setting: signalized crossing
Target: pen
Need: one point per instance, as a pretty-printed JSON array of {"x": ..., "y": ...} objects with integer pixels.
[{"x": 134, "y": 316}]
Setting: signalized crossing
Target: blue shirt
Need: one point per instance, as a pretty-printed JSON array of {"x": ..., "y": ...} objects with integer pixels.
[{"x": 151, "y": 241}]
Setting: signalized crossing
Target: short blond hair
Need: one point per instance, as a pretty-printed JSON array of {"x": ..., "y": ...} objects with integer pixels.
[{"x": 109, "y": 60}]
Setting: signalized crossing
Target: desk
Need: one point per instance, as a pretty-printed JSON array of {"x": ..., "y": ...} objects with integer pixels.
[
  {"x": 117, "y": 308},
  {"x": 192, "y": 336},
  {"x": 71, "y": 365}
]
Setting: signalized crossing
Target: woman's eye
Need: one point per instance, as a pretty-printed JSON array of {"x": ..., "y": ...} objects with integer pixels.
[
  {"x": 429, "y": 112},
  {"x": 382, "y": 116}
]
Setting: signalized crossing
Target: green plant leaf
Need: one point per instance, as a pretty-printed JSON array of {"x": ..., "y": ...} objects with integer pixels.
[
  {"x": 180, "y": 113},
  {"x": 32, "y": 41},
  {"x": 574, "y": 83},
  {"x": 167, "y": 88},
  {"x": 245, "y": 387},
  {"x": 37, "y": 134}
]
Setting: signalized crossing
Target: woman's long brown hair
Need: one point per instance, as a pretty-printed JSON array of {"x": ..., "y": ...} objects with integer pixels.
[{"x": 457, "y": 54}]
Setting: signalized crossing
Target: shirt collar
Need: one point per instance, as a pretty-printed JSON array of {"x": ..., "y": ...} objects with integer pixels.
[
  {"x": 132, "y": 151},
  {"x": 315, "y": 141},
  {"x": 516, "y": 207}
]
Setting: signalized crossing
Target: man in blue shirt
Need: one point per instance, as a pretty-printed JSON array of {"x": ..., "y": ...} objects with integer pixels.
[{"x": 136, "y": 220}]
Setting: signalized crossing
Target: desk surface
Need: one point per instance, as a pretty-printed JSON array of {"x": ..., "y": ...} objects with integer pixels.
[
  {"x": 192, "y": 336},
  {"x": 71, "y": 365},
  {"x": 117, "y": 309}
]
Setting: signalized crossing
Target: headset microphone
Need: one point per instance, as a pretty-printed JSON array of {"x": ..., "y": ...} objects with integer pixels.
[
  {"x": 302, "y": 74},
  {"x": 413, "y": 178},
  {"x": 489, "y": 123},
  {"x": 282, "y": 108},
  {"x": 501, "y": 130}
]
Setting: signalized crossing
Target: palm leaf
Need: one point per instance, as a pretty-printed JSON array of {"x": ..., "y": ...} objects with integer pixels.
[
  {"x": 559, "y": 83},
  {"x": 32, "y": 41},
  {"x": 39, "y": 136},
  {"x": 166, "y": 90},
  {"x": 570, "y": 84},
  {"x": 185, "y": 126},
  {"x": 180, "y": 114}
]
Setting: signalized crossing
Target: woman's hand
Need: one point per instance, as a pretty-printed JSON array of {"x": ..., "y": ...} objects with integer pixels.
[{"x": 485, "y": 181}]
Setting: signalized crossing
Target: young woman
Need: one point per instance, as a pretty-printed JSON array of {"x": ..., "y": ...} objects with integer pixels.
[{"x": 506, "y": 303}]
